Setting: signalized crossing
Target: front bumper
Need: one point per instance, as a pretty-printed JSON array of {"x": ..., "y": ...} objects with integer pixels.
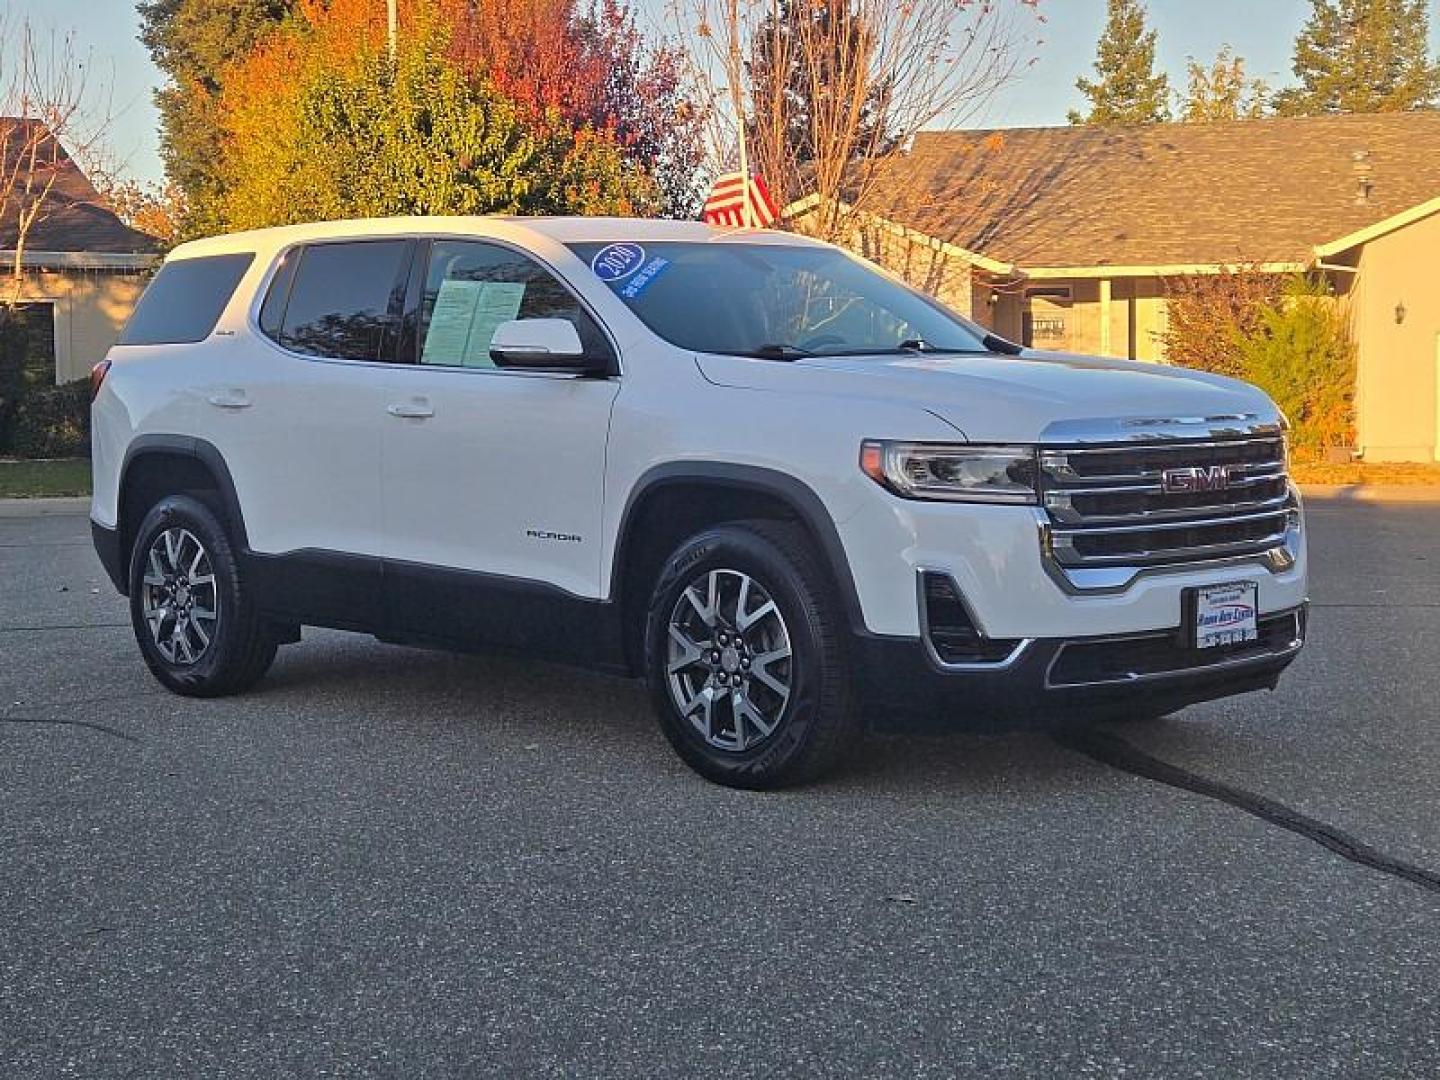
[
  {"x": 996, "y": 557},
  {"x": 1051, "y": 678}
]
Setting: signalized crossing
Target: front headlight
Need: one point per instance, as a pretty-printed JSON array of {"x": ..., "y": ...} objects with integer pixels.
[{"x": 990, "y": 474}]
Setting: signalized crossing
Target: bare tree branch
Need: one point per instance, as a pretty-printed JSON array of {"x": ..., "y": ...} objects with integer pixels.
[
  {"x": 47, "y": 104},
  {"x": 870, "y": 73}
]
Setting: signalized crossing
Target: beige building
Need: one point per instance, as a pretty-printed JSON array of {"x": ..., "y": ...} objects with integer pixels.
[
  {"x": 82, "y": 269},
  {"x": 1065, "y": 238}
]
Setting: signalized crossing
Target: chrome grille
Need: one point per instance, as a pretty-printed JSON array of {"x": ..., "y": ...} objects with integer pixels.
[{"x": 1109, "y": 506}]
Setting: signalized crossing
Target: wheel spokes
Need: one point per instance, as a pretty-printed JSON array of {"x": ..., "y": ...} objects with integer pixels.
[
  {"x": 760, "y": 669},
  {"x": 727, "y": 640},
  {"x": 691, "y": 652},
  {"x": 179, "y": 593}
]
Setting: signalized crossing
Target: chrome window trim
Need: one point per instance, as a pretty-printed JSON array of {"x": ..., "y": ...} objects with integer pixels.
[{"x": 262, "y": 289}]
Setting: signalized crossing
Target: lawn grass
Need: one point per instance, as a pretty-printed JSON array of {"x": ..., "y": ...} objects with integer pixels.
[
  {"x": 1359, "y": 472},
  {"x": 44, "y": 479}
]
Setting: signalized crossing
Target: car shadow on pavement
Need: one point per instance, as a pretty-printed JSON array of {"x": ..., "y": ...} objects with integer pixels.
[{"x": 404, "y": 691}]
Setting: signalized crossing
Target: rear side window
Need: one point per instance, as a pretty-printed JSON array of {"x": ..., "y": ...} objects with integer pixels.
[
  {"x": 339, "y": 300},
  {"x": 184, "y": 302}
]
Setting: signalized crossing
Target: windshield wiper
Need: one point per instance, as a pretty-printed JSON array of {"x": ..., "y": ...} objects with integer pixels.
[
  {"x": 777, "y": 352},
  {"x": 904, "y": 350}
]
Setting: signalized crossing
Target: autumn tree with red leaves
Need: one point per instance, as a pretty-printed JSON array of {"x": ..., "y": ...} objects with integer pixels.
[{"x": 583, "y": 83}]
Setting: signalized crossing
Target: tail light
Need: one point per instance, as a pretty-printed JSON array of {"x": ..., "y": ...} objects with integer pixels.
[{"x": 97, "y": 378}]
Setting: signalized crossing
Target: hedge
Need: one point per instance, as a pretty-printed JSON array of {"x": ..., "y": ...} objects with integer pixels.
[{"x": 52, "y": 422}]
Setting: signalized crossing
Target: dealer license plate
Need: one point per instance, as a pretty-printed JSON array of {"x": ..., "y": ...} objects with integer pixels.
[{"x": 1223, "y": 614}]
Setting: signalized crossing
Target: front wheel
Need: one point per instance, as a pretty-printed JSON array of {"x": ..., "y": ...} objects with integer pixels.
[
  {"x": 193, "y": 617},
  {"x": 746, "y": 658}
]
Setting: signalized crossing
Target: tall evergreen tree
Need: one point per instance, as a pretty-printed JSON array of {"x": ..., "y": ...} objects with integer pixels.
[
  {"x": 1126, "y": 89},
  {"x": 1363, "y": 56}
]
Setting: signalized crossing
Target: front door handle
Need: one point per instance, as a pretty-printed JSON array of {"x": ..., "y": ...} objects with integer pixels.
[
  {"x": 230, "y": 399},
  {"x": 414, "y": 409}
]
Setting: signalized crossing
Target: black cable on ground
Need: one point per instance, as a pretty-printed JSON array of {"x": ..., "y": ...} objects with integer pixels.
[{"x": 1110, "y": 749}]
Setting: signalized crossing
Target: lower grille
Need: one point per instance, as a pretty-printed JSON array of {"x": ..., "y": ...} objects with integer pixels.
[
  {"x": 951, "y": 632},
  {"x": 1148, "y": 656},
  {"x": 1172, "y": 502}
]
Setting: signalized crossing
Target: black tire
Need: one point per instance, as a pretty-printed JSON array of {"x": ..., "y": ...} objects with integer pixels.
[
  {"x": 817, "y": 724},
  {"x": 240, "y": 647}
]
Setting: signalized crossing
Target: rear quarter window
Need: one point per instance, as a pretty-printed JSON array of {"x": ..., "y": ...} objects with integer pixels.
[{"x": 184, "y": 302}]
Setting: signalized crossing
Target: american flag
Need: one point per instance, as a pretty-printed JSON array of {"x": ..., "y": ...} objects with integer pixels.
[{"x": 726, "y": 203}]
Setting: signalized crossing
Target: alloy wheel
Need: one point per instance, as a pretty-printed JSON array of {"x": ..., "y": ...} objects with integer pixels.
[
  {"x": 181, "y": 602},
  {"x": 730, "y": 668}
]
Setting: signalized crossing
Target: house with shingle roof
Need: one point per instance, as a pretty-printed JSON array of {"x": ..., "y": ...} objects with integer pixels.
[
  {"x": 81, "y": 268},
  {"x": 1065, "y": 238}
]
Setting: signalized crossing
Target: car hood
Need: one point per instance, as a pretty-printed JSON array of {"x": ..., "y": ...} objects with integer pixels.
[{"x": 1032, "y": 397}]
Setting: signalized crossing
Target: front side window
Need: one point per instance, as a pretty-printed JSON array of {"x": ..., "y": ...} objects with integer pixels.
[
  {"x": 774, "y": 300},
  {"x": 185, "y": 301},
  {"x": 472, "y": 287},
  {"x": 338, "y": 300}
]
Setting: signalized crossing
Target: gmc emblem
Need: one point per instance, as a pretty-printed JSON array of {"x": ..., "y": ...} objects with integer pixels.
[{"x": 1199, "y": 478}]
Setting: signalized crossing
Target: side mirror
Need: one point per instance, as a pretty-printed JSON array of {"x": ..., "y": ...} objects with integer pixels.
[{"x": 541, "y": 345}]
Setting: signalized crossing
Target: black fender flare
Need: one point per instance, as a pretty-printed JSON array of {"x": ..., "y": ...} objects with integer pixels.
[
  {"x": 204, "y": 452},
  {"x": 793, "y": 492}
]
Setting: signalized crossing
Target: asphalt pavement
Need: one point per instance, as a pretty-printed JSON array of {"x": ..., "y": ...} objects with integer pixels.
[{"x": 390, "y": 862}]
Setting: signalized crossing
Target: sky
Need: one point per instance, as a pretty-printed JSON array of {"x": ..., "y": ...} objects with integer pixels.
[{"x": 1262, "y": 31}]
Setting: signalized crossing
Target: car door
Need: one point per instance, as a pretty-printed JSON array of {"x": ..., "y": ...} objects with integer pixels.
[
  {"x": 492, "y": 480},
  {"x": 298, "y": 422}
]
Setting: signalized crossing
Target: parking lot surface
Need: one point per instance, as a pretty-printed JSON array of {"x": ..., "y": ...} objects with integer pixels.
[{"x": 391, "y": 862}]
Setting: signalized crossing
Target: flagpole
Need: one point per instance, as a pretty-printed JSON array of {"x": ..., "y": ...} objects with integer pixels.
[{"x": 737, "y": 95}]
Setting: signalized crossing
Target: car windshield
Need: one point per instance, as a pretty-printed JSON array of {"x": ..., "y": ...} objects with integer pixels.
[{"x": 779, "y": 301}]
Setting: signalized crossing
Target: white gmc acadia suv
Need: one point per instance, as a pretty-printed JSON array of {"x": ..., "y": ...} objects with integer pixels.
[{"x": 785, "y": 488}]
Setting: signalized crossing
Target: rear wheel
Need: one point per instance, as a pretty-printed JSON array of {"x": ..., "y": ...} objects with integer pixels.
[
  {"x": 193, "y": 618},
  {"x": 745, "y": 655}
]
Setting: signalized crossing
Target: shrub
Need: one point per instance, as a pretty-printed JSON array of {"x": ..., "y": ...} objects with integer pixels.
[
  {"x": 53, "y": 421},
  {"x": 1303, "y": 355},
  {"x": 1209, "y": 314}
]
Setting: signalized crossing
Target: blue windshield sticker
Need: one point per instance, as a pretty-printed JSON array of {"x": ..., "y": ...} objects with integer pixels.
[
  {"x": 615, "y": 262},
  {"x": 641, "y": 281}
]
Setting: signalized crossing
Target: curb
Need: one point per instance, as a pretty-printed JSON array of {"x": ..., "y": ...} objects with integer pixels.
[
  {"x": 23, "y": 508},
  {"x": 1373, "y": 493}
]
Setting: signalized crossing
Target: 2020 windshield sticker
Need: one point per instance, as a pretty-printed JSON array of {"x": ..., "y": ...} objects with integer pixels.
[
  {"x": 615, "y": 262},
  {"x": 641, "y": 281}
]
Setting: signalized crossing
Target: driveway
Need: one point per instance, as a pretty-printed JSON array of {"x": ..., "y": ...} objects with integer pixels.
[{"x": 391, "y": 862}]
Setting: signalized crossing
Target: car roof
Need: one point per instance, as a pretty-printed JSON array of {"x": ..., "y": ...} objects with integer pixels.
[{"x": 564, "y": 230}]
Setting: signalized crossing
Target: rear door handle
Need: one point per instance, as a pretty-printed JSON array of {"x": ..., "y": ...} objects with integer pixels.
[
  {"x": 414, "y": 409},
  {"x": 230, "y": 399}
]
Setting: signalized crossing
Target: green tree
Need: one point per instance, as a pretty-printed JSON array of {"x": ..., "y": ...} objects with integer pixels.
[
  {"x": 360, "y": 137},
  {"x": 1362, "y": 56},
  {"x": 1303, "y": 355},
  {"x": 1126, "y": 89},
  {"x": 1222, "y": 91},
  {"x": 193, "y": 42}
]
